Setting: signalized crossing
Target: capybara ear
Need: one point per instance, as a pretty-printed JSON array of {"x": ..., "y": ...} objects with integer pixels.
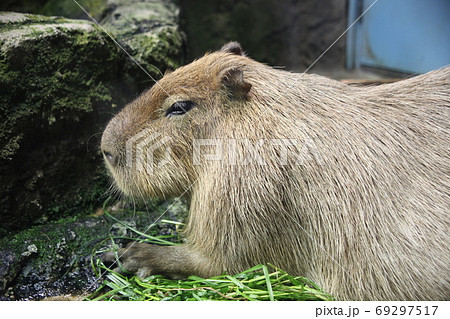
[
  {"x": 233, "y": 47},
  {"x": 233, "y": 80}
]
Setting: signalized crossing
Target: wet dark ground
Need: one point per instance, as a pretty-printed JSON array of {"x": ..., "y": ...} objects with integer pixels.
[{"x": 57, "y": 258}]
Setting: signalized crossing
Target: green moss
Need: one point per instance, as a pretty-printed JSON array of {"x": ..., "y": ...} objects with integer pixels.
[
  {"x": 57, "y": 84},
  {"x": 82, "y": 234},
  {"x": 159, "y": 47},
  {"x": 149, "y": 32}
]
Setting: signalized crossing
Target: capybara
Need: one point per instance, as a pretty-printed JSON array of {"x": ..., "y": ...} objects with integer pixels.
[{"x": 347, "y": 186}]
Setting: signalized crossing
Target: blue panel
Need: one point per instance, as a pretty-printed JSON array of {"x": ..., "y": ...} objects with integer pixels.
[{"x": 405, "y": 35}]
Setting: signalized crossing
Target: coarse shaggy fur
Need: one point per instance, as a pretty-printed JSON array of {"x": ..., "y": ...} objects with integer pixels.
[{"x": 347, "y": 186}]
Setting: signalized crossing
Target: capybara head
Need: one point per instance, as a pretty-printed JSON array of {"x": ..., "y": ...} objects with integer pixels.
[
  {"x": 148, "y": 145},
  {"x": 347, "y": 186}
]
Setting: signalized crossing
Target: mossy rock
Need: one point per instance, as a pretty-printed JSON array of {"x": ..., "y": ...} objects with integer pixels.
[
  {"x": 60, "y": 80},
  {"x": 149, "y": 31},
  {"x": 57, "y": 258},
  {"x": 65, "y": 8}
]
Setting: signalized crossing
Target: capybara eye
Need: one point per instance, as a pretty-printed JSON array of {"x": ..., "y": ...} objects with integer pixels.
[{"x": 179, "y": 108}]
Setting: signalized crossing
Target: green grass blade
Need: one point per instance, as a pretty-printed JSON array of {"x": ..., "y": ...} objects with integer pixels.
[
  {"x": 268, "y": 283},
  {"x": 157, "y": 240}
]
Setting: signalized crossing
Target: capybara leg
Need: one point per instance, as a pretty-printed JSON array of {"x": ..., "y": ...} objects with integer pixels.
[{"x": 175, "y": 262}]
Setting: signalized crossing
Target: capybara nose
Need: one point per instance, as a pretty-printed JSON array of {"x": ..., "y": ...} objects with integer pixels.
[
  {"x": 109, "y": 154},
  {"x": 108, "y": 144}
]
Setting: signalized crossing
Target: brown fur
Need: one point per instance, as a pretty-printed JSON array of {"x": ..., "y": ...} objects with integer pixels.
[{"x": 365, "y": 214}]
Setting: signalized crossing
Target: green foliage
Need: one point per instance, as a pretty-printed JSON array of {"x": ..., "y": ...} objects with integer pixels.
[
  {"x": 253, "y": 284},
  {"x": 150, "y": 234}
]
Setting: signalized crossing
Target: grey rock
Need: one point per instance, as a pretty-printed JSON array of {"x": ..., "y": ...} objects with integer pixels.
[
  {"x": 60, "y": 82},
  {"x": 148, "y": 31},
  {"x": 56, "y": 95}
]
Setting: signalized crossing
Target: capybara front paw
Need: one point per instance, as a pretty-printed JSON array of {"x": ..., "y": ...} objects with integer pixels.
[{"x": 136, "y": 258}]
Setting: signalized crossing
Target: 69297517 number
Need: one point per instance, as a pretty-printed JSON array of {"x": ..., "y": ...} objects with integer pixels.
[{"x": 406, "y": 310}]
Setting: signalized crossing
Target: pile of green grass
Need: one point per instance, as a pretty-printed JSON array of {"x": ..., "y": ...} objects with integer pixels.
[
  {"x": 257, "y": 283},
  {"x": 254, "y": 284}
]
